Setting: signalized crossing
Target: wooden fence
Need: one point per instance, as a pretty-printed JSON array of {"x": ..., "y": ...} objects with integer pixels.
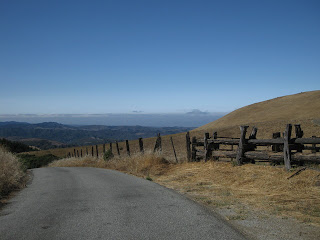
[
  {"x": 157, "y": 148},
  {"x": 280, "y": 149},
  {"x": 286, "y": 149}
]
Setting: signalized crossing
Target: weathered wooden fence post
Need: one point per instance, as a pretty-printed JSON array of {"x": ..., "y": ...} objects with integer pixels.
[
  {"x": 97, "y": 152},
  {"x": 141, "y": 145},
  {"x": 215, "y": 135},
  {"x": 299, "y": 134},
  {"x": 74, "y": 152},
  {"x": 174, "y": 150},
  {"x": 158, "y": 145},
  {"x": 92, "y": 151},
  {"x": 128, "y": 148},
  {"x": 252, "y": 147},
  {"x": 241, "y": 146},
  {"x": 194, "y": 150},
  {"x": 314, "y": 146},
  {"x": 215, "y": 146},
  {"x": 275, "y": 147},
  {"x": 207, "y": 149},
  {"x": 110, "y": 147},
  {"x": 253, "y": 134},
  {"x": 286, "y": 147},
  {"x": 117, "y": 146},
  {"x": 188, "y": 146},
  {"x": 81, "y": 152},
  {"x": 78, "y": 154},
  {"x": 298, "y": 130}
]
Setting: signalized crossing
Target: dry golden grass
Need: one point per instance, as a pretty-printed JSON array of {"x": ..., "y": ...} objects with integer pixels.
[
  {"x": 11, "y": 173},
  {"x": 272, "y": 116},
  {"x": 260, "y": 187},
  {"x": 142, "y": 165}
]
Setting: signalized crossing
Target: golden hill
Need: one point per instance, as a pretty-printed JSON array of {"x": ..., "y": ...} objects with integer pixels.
[{"x": 272, "y": 115}]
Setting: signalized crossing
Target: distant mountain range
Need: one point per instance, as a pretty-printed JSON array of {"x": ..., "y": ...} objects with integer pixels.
[
  {"x": 52, "y": 135},
  {"x": 194, "y": 118}
]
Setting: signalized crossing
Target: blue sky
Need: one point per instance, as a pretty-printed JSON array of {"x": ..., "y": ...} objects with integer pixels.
[{"x": 154, "y": 56}]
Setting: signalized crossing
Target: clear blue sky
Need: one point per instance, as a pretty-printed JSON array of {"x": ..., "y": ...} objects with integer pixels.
[{"x": 154, "y": 55}]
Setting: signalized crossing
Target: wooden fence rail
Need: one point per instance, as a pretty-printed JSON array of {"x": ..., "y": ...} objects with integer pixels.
[{"x": 285, "y": 150}]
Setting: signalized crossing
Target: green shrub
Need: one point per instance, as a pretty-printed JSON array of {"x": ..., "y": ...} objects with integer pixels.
[
  {"x": 32, "y": 161},
  {"x": 108, "y": 155},
  {"x": 15, "y": 147}
]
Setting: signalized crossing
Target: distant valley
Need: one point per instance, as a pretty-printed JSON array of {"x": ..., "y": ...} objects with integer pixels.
[{"x": 52, "y": 135}]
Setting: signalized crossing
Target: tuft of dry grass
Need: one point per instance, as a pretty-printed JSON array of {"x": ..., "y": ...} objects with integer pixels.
[
  {"x": 142, "y": 165},
  {"x": 11, "y": 173}
]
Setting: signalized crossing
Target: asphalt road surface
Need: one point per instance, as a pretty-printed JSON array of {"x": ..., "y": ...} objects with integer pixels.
[{"x": 91, "y": 203}]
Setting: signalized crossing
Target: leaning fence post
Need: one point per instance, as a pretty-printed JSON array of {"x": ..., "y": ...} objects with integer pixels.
[
  {"x": 188, "y": 146},
  {"x": 117, "y": 146},
  {"x": 110, "y": 147},
  {"x": 286, "y": 147},
  {"x": 128, "y": 148},
  {"x": 97, "y": 152},
  {"x": 158, "y": 145},
  {"x": 141, "y": 145},
  {"x": 87, "y": 151},
  {"x": 174, "y": 151},
  {"x": 241, "y": 150}
]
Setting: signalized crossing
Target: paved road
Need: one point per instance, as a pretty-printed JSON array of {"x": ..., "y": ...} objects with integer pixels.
[{"x": 91, "y": 203}]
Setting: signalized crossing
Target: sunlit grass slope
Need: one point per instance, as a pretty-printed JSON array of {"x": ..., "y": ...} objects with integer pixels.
[{"x": 272, "y": 116}]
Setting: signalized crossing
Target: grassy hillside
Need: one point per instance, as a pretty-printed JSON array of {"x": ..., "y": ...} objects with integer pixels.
[{"x": 272, "y": 116}]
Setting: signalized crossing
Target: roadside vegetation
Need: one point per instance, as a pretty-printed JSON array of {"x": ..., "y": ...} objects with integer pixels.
[
  {"x": 142, "y": 165},
  {"x": 32, "y": 161},
  {"x": 12, "y": 173},
  {"x": 13, "y": 166},
  {"x": 15, "y": 147}
]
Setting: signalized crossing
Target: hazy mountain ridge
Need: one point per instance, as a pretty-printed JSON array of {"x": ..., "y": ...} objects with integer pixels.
[
  {"x": 51, "y": 134},
  {"x": 194, "y": 118}
]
